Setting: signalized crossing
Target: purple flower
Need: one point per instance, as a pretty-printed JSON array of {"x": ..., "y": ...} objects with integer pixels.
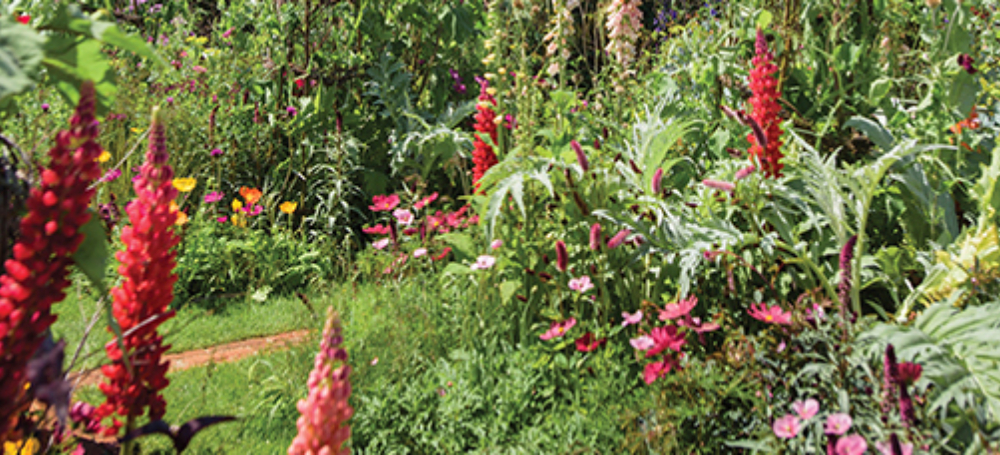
[
  {"x": 170, "y": 99},
  {"x": 111, "y": 175},
  {"x": 965, "y": 61},
  {"x": 719, "y": 185},
  {"x": 45, "y": 107},
  {"x": 222, "y": 219},
  {"x": 214, "y": 197},
  {"x": 581, "y": 158},
  {"x": 216, "y": 152},
  {"x": 292, "y": 111}
]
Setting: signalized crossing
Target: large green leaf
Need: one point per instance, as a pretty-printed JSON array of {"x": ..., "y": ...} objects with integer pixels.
[
  {"x": 91, "y": 257},
  {"x": 20, "y": 54}
]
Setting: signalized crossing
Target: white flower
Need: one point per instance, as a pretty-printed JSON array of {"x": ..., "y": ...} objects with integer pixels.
[{"x": 484, "y": 262}]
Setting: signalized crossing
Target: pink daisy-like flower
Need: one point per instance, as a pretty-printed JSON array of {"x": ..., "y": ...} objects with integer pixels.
[
  {"x": 423, "y": 202},
  {"x": 214, "y": 197},
  {"x": 222, "y": 219},
  {"x": 786, "y": 427},
  {"x": 642, "y": 343},
  {"x": 484, "y": 262},
  {"x": 496, "y": 244},
  {"x": 837, "y": 424},
  {"x": 770, "y": 314},
  {"x": 851, "y": 445},
  {"x": 381, "y": 243},
  {"x": 806, "y": 409},
  {"x": 581, "y": 284},
  {"x": 382, "y": 203},
  {"x": 666, "y": 338},
  {"x": 419, "y": 252},
  {"x": 629, "y": 319},
  {"x": 679, "y": 309},
  {"x": 404, "y": 217},
  {"x": 558, "y": 329}
]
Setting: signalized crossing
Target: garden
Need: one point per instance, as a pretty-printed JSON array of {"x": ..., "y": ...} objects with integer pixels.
[{"x": 500, "y": 226}]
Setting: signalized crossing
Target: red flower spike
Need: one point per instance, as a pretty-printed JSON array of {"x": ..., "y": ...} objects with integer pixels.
[
  {"x": 147, "y": 265},
  {"x": 36, "y": 276},
  {"x": 765, "y": 109},
  {"x": 483, "y": 156}
]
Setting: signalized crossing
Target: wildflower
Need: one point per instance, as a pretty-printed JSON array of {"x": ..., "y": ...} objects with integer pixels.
[
  {"x": 288, "y": 207},
  {"x": 251, "y": 195},
  {"x": 806, "y": 409},
  {"x": 216, "y": 152},
  {"x": 37, "y": 273},
  {"x": 419, "y": 252},
  {"x": 104, "y": 157},
  {"x": 253, "y": 210},
  {"x": 618, "y": 239},
  {"x": 595, "y": 236},
  {"x": 214, "y": 197},
  {"x": 484, "y": 262},
  {"x": 562, "y": 257},
  {"x": 656, "y": 370},
  {"x": 111, "y": 175},
  {"x": 562, "y": 31},
  {"x": 666, "y": 338},
  {"x": 720, "y": 185},
  {"x": 427, "y": 200},
  {"x": 765, "y": 109},
  {"x": 965, "y": 61},
  {"x": 45, "y": 107},
  {"x": 443, "y": 254},
  {"x": 629, "y": 319},
  {"x": 29, "y": 446},
  {"x": 292, "y": 111},
  {"x": 558, "y": 329},
  {"x": 837, "y": 424},
  {"x": 377, "y": 229},
  {"x": 581, "y": 284},
  {"x": 581, "y": 158},
  {"x": 483, "y": 156},
  {"x": 381, "y": 243},
  {"x": 140, "y": 303},
  {"x": 496, "y": 244},
  {"x": 786, "y": 427},
  {"x": 642, "y": 343},
  {"x": 844, "y": 288},
  {"x": 300, "y": 83},
  {"x": 374, "y": 361},
  {"x": 657, "y": 184},
  {"x": 679, "y": 309},
  {"x": 894, "y": 447},
  {"x": 228, "y": 33},
  {"x": 185, "y": 185},
  {"x": 852, "y": 445},
  {"x": 384, "y": 203},
  {"x": 907, "y": 373},
  {"x": 404, "y": 217},
  {"x": 237, "y": 205},
  {"x": 222, "y": 219},
  {"x": 24, "y": 19},
  {"x": 624, "y": 23},
  {"x": 745, "y": 172},
  {"x": 325, "y": 411},
  {"x": 588, "y": 342},
  {"x": 199, "y": 69},
  {"x": 182, "y": 219},
  {"x": 769, "y": 314}
]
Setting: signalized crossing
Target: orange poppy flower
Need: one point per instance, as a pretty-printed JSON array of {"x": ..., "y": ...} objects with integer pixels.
[{"x": 252, "y": 195}]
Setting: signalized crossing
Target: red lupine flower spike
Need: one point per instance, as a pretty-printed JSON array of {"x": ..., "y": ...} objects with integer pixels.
[
  {"x": 765, "y": 140},
  {"x": 140, "y": 303},
  {"x": 36, "y": 275},
  {"x": 483, "y": 156}
]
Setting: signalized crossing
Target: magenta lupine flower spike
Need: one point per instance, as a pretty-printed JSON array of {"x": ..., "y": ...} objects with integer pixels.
[
  {"x": 595, "y": 236},
  {"x": 562, "y": 257},
  {"x": 581, "y": 157},
  {"x": 323, "y": 426},
  {"x": 50, "y": 233},
  {"x": 844, "y": 288}
]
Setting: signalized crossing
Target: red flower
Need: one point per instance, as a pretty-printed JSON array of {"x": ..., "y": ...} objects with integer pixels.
[
  {"x": 588, "y": 343},
  {"x": 665, "y": 338},
  {"x": 36, "y": 275},
  {"x": 656, "y": 370},
  {"x": 444, "y": 253},
  {"x": 24, "y": 19},
  {"x": 907, "y": 373},
  {"x": 300, "y": 83},
  {"x": 562, "y": 257},
  {"x": 483, "y": 157},
  {"x": 140, "y": 302},
  {"x": 765, "y": 109},
  {"x": 384, "y": 203},
  {"x": 377, "y": 229}
]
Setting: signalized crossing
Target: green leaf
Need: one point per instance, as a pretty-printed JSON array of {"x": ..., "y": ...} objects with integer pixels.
[
  {"x": 964, "y": 89},
  {"x": 92, "y": 255},
  {"x": 20, "y": 54},
  {"x": 877, "y": 133},
  {"x": 461, "y": 243},
  {"x": 507, "y": 290},
  {"x": 879, "y": 89},
  {"x": 764, "y": 19},
  {"x": 71, "y": 61}
]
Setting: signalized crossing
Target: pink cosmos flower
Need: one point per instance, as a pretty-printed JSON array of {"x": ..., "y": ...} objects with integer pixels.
[
  {"x": 558, "y": 329},
  {"x": 588, "y": 342},
  {"x": 484, "y": 262},
  {"x": 806, "y": 409},
  {"x": 253, "y": 209},
  {"x": 719, "y": 185},
  {"x": 664, "y": 338},
  {"x": 403, "y": 216},
  {"x": 496, "y": 244},
  {"x": 581, "y": 284},
  {"x": 629, "y": 319},
  {"x": 656, "y": 370},
  {"x": 423, "y": 202},
  {"x": 381, "y": 243},
  {"x": 786, "y": 427},
  {"x": 419, "y": 252},
  {"x": 384, "y": 203},
  {"x": 770, "y": 314},
  {"x": 642, "y": 343},
  {"x": 676, "y": 310},
  {"x": 851, "y": 445},
  {"x": 222, "y": 219},
  {"x": 214, "y": 197},
  {"x": 377, "y": 229},
  {"x": 837, "y": 424}
]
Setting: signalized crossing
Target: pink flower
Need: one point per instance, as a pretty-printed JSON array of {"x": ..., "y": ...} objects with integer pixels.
[
  {"x": 907, "y": 373},
  {"x": 642, "y": 343},
  {"x": 771, "y": 315},
  {"x": 657, "y": 184},
  {"x": 214, "y": 197},
  {"x": 837, "y": 424},
  {"x": 562, "y": 257},
  {"x": 222, "y": 219},
  {"x": 419, "y": 252},
  {"x": 595, "y": 236},
  {"x": 427, "y": 200},
  {"x": 786, "y": 427},
  {"x": 885, "y": 447},
  {"x": 374, "y": 361},
  {"x": 581, "y": 157},
  {"x": 496, "y": 244},
  {"x": 377, "y": 229},
  {"x": 745, "y": 172},
  {"x": 253, "y": 209},
  {"x": 484, "y": 262},
  {"x": 618, "y": 239},
  {"x": 199, "y": 69},
  {"x": 656, "y": 370},
  {"x": 664, "y": 338},
  {"x": 806, "y": 409},
  {"x": 558, "y": 329},
  {"x": 581, "y": 284},
  {"x": 381, "y": 243},
  {"x": 851, "y": 445},
  {"x": 111, "y": 175},
  {"x": 403, "y": 216},
  {"x": 676, "y": 310},
  {"x": 384, "y": 203},
  {"x": 588, "y": 342},
  {"x": 719, "y": 185},
  {"x": 216, "y": 152},
  {"x": 292, "y": 111},
  {"x": 227, "y": 33},
  {"x": 629, "y": 319}
]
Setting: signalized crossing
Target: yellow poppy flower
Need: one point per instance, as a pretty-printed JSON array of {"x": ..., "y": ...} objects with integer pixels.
[
  {"x": 29, "y": 447},
  {"x": 182, "y": 219},
  {"x": 137, "y": 130},
  {"x": 186, "y": 184},
  {"x": 104, "y": 157},
  {"x": 237, "y": 205},
  {"x": 238, "y": 220},
  {"x": 288, "y": 207}
]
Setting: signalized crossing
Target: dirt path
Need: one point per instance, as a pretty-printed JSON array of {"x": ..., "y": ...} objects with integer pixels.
[{"x": 223, "y": 353}]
